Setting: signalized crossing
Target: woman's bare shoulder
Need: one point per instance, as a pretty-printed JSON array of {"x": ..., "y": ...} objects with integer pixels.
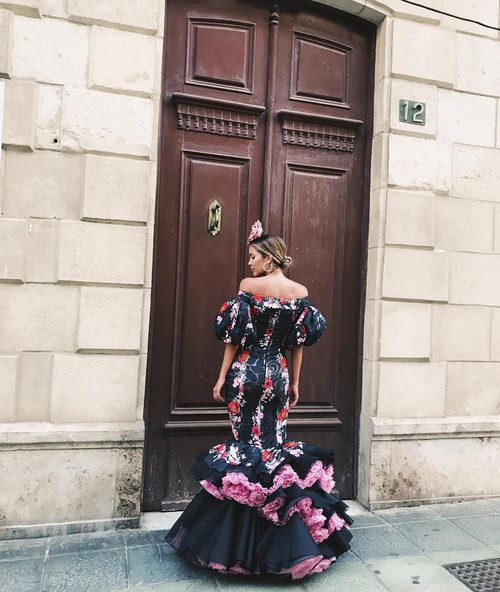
[{"x": 263, "y": 286}]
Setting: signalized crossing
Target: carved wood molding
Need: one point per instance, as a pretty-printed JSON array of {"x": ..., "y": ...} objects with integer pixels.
[
  {"x": 213, "y": 116},
  {"x": 318, "y": 131}
]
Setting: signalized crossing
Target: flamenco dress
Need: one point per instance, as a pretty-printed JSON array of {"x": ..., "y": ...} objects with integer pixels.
[{"x": 266, "y": 505}]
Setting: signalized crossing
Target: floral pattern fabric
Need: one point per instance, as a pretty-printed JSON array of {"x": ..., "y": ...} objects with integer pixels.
[
  {"x": 257, "y": 383},
  {"x": 266, "y": 503}
]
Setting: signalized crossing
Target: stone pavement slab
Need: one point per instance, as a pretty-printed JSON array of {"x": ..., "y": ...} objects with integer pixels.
[
  {"x": 404, "y": 574},
  {"x": 437, "y": 535},
  {"x": 394, "y": 550}
]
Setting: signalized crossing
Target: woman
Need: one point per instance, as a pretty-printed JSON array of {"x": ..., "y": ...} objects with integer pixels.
[{"x": 266, "y": 505}]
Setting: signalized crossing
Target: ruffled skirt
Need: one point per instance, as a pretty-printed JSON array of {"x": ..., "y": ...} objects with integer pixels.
[{"x": 249, "y": 520}]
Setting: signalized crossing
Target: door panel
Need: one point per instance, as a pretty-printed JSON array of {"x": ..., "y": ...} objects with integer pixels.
[{"x": 267, "y": 111}]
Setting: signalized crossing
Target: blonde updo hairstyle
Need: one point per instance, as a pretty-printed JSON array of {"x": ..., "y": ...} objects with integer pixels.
[{"x": 269, "y": 244}]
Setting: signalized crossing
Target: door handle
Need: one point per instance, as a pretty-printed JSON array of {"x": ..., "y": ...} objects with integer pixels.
[{"x": 214, "y": 217}]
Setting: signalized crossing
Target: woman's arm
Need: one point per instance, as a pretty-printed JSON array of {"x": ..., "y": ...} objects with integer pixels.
[
  {"x": 294, "y": 383},
  {"x": 229, "y": 352}
]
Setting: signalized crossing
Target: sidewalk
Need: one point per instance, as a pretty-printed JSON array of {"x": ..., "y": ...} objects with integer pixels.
[{"x": 393, "y": 550}]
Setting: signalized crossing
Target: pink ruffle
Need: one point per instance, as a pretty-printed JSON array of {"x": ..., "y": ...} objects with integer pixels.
[
  {"x": 313, "y": 518},
  {"x": 235, "y": 485},
  {"x": 309, "y": 566}
]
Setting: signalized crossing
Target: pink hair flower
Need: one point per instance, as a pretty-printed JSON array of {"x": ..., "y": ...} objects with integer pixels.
[{"x": 256, "y": 231}]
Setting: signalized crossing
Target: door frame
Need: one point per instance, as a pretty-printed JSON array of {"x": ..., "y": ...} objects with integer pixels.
[{"x": 161, "y": 181}]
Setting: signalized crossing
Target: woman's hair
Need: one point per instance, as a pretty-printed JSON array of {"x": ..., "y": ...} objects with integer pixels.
[{"x": 269, "y": 244}]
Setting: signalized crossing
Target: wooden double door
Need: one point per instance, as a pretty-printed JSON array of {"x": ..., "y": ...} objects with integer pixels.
[{"x": 266, "y": 111}]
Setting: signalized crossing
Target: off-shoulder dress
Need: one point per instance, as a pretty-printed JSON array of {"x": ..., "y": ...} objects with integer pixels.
[{"x": 266, "y": 505}]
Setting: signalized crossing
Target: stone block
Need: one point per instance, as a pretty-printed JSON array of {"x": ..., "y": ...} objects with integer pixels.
[
  {"x": 375, "y": 266},
  {"x": 369, "y": 389},
  {"x": 383, "y": 49},
  {"x": 157, "y": 79},
  {"x": 421, "y": 93},
  {"x": 497, "y": 228},
  {"x": 409, "y": 469},
  {"x": 34, "y": 386},
  {"x": 498, "y": 124},
  {"x": 419, "y": 163},
  {"x": 411, "y": 389},
  {"x": 128, "y": 483},
  {"x": 415, "y": 274},
  {"x": 49, "y": 110},
  {"x": 410, "y": 218},
  {"x": 6, "y": 40},
  {"x": 55, "y": 8},
  {"x": 485, "y": 11},
  {"x": 42, "y": 249},
  {"x": 377, "y": 218},
  {"x": 135, "y": 15},
  {"x": 474, "y": 279},
  {"x": 148, "y": 264},
  {"x": 380, "y": 146},
  {"x": 460, "y": 332},
  {"x": 470, "y": 52},
  {"x": 106, "y": 122},
  {"x": 382, "y": 106},
  {"x": 141, "y": 388},
  {"x": 20, "y": 114},
  {"x": 405, "y": 330},
  {"x": 121, "y": 61},
  {"x": 414, "y": 50},
  {"x": 464, "y": 225},
  {"x": 472, "y": 388},
  {"x": 107, "y": 253},
  {"x": 13, "y": 240},
  {"x": 63, "y": 485},
  {"x": 371, "y": 330},
  {"x": 465, "y": 118},
  {"x": 115, "y": 189},
  {"x": 146, "y": 314},
  {"x": 38, "y": 317},
  {"x": 54, "y": 191},
  {"x": 94, "y": 388},
  {"x": 110, "y": 319},
  {"x": 8, "y": 365},
  {"x": 23, "y": 7},
  {"x": 60, "y": 47},
  {"x": 495, "y": 334},
  {"x": 476, "y": 173}
]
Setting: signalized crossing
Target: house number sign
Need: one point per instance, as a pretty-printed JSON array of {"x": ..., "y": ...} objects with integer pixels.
[{"x": 411, "y": 112}]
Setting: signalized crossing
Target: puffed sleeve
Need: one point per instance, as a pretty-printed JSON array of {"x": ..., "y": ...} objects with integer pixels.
[
  {"x": 307, "y": 329},
  {"x": 234, "y": 323}
]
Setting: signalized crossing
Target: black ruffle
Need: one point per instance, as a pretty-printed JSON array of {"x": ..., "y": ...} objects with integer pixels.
[{"x": 228, "y": 533}]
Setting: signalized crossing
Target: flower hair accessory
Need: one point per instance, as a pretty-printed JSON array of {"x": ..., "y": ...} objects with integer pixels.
[{"x": 255, "y": 232}]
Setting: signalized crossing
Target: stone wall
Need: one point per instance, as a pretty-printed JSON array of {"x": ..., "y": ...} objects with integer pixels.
[
  {"x": 431, "y": 372},
  {"x": 77, "y": 189}
]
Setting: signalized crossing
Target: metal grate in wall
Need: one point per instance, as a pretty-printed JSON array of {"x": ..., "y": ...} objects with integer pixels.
[{"x": 478, "y": 576}]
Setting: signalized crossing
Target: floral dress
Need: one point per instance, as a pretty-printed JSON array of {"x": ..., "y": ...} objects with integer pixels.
[{"x": 266, "y": 504}]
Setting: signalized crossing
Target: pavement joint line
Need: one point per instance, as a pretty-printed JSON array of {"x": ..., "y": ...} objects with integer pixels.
[
  {"x": 127, "y": 568},
  {"x": 463, "y": 529}
]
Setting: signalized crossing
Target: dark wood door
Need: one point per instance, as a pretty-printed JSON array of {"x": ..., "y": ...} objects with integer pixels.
[{"x": 266, "y": 109}]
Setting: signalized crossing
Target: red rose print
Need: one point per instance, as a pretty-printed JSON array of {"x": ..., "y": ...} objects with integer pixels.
[
  {"x": 233, "y": 407},
  {"x": 283, "y": 362},
  {"x": 223, "y": 307},
  {"x": 268, "y": 383},
  {"x": 219, "y": 447},
  {"x": 244, "y": 355},
  {"x": 256, "y": 430},
  {"x": 302, "y": 329},
  {"x": 266, "y": 455},
  {"x": 290, "y": 444},
  {"x": 282, "y": 414}
]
